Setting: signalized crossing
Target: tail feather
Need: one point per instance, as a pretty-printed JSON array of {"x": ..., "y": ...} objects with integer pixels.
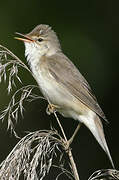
[{"x": 94, "y": 124}]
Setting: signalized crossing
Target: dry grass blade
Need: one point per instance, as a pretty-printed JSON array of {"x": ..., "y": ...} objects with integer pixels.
[
  {"x": 105, "y": 174},
  {"x": 9, "y": 65},
  {"x": 15, "y": 105},
  {"x": 32, "y": 157},
  {"x": 9, "y": 70},
  {"x": 64, "y": 171}
]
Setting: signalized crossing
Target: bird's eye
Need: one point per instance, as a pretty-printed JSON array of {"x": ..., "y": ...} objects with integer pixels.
[{"x": 40, "y": 39}]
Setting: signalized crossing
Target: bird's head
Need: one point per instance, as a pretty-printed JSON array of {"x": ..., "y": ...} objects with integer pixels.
[{"x": 42, "y": 40}]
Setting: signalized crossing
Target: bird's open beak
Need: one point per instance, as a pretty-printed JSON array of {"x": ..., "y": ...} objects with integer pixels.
[{"x": 24, "y": 39}]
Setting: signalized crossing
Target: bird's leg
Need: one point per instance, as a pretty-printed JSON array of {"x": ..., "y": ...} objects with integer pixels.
[
  {"x": 74, "y": 134},
  {"x": 51, "y": 108},
  {"x": 67, "y": 143}
]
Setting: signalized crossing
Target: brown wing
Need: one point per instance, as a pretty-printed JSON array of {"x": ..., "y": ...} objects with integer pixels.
[{"x": 64, "y": 71}]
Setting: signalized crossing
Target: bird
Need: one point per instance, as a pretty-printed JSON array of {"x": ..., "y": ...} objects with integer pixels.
[{"x": 61, "y": 83}]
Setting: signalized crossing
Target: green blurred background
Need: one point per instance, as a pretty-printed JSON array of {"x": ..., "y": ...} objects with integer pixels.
[{"x": 89, "y": 36}]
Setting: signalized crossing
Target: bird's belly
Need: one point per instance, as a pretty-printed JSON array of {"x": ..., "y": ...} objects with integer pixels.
[
  {"x": 54, "y": 92},
  {"x": 58, "y": 95}
]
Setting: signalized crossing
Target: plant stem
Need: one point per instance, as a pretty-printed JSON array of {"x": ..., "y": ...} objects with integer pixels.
[
  {"x": 73, "y": 165},
  {"x": 62, "y": 130},
  {"x": 68, "y": 150}
]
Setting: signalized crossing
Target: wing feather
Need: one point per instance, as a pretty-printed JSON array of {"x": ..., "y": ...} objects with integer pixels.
[{"x": 65, "y": 73}]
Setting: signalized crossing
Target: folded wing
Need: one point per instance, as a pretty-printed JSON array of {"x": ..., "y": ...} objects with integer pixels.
[{"x": 60, "y": 66}]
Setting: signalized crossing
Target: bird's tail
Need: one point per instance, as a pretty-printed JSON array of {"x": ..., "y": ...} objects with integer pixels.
[{"x": 96, "y": 127}]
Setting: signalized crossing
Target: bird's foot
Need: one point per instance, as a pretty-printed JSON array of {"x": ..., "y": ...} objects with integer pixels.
[{"x": 51, "y": 108}]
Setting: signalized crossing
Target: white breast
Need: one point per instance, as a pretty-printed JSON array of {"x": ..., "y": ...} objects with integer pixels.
[
  {"x": 51, "y": 89},
  {"x": 54, "y": 92},
  {"x": 44, "y": 79}
]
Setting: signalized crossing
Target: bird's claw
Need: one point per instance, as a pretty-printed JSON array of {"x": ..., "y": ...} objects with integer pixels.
[{"x": 51, "y": 108}]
